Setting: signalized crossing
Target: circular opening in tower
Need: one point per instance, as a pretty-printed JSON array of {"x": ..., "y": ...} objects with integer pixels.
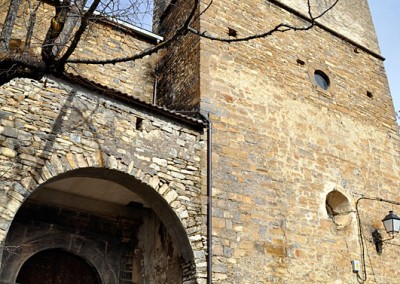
[
  {"x": 338, "y": 208},
  {"x": 321, "y": 79}
]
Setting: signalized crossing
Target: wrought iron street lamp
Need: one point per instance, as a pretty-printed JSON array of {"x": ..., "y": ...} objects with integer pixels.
[{"x": 391, "y": 222}]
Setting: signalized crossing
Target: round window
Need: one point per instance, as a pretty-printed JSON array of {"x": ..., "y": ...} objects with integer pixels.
[{"x": 321, "y": 79}]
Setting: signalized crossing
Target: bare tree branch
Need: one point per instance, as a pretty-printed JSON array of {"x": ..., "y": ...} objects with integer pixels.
[
  {"x": 78, "y": 34},
  {"x": 309, "y": 9},
  {"x": 69, "y": 13},
  {"x": 282, "y": 27},
  {"x": 31, "y": 25},
  {"x": 326, "y": 11},
  {"x": 278, "y": 28},
  {"x": 204, "y": 11},
  {"x": 179, "y": 33},
  {"x": 137, "y": 56}
]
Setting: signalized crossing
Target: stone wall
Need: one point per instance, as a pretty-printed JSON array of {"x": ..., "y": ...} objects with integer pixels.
[
  {"x": 291, "y": 160},
  {"x": 177, "y": 69},
  {"x": 285, "y": 151},
  {"x": 350, "y": 18},
  {"x": 101, "y": 40},
  {"x": 281, "y": 145},
  {"x": 53, "y": 128}
]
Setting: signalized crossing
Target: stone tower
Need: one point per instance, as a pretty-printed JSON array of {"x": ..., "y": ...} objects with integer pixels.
[{"x": 304, "y": 126}]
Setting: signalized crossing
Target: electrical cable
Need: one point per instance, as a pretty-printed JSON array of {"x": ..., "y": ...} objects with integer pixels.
[{"x": 361, "y": 279}]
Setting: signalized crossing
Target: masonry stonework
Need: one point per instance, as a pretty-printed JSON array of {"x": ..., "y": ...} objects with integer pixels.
[
  {"x": 301, "y": 176},
  {"x": 177, "y": 69},
  {"x": 282, "y": 145},
  {"x": 350, "y": 18},
  {"x": 104, "y": 39},
  {"x": 52, "y": 128}
]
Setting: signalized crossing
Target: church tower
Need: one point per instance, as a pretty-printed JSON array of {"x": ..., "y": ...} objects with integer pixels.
[{"x": 305, "y": 143}]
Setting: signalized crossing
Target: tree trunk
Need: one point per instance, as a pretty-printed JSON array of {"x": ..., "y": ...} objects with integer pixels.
[
  {"x": 77, "y": 37},
  {"x": 73, "y": 18},
  {"x": 55, "y": 29},
  {"x": 8, "y": 25}
]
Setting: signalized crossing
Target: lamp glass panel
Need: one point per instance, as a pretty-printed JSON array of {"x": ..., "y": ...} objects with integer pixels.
[
  {"x": 396, "y": 225},
  {"x": 388, "y": 225}
]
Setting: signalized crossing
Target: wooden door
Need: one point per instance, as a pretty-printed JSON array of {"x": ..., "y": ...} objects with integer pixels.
[{"x": 56, "y": 267}]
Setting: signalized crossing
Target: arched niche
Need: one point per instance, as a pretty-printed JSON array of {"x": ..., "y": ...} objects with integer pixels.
[{"x": 338, "y": 208}]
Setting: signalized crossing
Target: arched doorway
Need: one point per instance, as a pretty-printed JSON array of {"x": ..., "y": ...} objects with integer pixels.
[
  {"x": 121, "y": 226},
  {"x": 56, "y": 267}
]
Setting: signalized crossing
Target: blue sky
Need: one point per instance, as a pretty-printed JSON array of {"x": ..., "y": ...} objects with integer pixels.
[{"x": 385, "y": 14}]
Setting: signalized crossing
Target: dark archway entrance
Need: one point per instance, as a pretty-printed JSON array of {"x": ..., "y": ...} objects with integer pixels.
[
  {"x": 56, "y": 267},
  {"x": 121, "y": 226}
]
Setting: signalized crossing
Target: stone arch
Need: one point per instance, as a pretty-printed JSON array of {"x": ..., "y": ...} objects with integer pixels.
[
  {"x": 155, "y": 188},
  {"x": 149, "y": 189},
  {"x": 157, "y": 192},
  {"x": 39, "y": 264},
  {"x": 93, "y": 256},
  {"x": 101, "y": 165}
]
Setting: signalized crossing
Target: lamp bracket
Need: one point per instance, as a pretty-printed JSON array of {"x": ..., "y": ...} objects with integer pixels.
[{"x": 378, "y": 241}]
